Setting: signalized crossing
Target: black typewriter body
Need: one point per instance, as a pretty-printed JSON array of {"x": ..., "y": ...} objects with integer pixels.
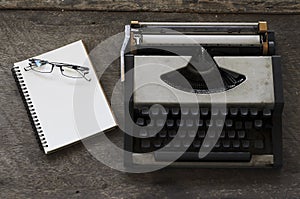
[{"x": 174, "y": 121}]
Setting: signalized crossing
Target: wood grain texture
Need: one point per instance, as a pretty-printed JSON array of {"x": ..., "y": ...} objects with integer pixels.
[
  {"x": 25, "y": 172},
  {"x": 198, "y": 6}
]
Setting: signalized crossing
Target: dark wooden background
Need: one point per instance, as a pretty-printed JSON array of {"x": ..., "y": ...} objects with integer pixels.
[
  {"x": 198, "y": 6},
  {"x": 26, "y": 172}
]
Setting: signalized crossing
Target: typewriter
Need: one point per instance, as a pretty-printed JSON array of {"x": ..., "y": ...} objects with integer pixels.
[{"x": 202, "y": 94}]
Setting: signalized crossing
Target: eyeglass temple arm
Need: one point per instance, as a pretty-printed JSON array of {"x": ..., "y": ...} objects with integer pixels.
[
  {"x": 70, "y": 65},
  {"x": 83, "y": 75}
]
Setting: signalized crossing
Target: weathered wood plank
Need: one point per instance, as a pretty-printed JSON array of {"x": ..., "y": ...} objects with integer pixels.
[
  {"x": 25, "y": 172},
  {"x": 197, "y": 6}
]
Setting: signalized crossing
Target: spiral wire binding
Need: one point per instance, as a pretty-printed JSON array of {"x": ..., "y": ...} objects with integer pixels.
[{"x": 16, "y": 71}]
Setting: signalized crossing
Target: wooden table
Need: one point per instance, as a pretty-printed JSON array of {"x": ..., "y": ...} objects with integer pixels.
[{"x": 25, "y": 171}]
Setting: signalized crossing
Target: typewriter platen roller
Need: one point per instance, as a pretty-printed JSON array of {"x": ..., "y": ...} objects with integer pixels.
[{"x": 180, "y": 65}]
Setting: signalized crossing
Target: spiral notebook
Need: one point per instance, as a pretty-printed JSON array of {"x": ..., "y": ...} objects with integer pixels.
[{"x": 63, "y": 109}]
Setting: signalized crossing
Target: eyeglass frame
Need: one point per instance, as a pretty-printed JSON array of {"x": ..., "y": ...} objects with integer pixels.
[{"x": 82, "y": 70}]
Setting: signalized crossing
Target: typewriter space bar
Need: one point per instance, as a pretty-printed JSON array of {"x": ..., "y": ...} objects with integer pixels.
[{"x": 211, "y": 157}]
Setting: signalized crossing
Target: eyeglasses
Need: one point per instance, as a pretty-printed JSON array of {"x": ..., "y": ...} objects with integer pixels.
[{"x": 67, "y": 70}]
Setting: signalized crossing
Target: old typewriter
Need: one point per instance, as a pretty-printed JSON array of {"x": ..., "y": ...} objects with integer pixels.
[{"x": 202, "y": 94}]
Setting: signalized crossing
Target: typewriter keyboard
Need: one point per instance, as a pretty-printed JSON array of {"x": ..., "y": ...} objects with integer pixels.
[{"x": 243, "y": 130}]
